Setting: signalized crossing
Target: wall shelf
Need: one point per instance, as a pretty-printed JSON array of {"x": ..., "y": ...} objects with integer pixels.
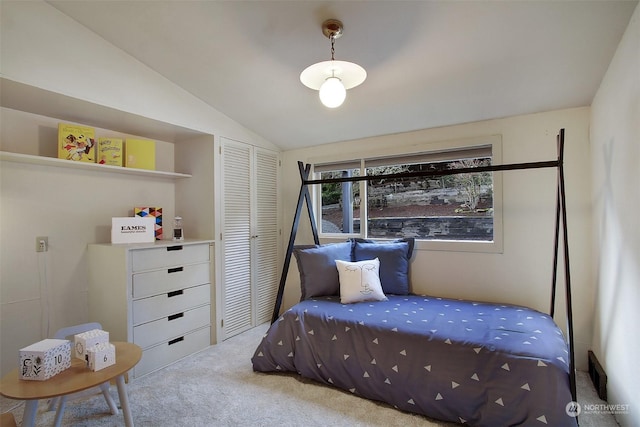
[{"x": 50, "y": 161}]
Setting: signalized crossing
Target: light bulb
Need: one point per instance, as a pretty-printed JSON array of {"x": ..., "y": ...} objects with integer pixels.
[{"x": 332, "y": 92}]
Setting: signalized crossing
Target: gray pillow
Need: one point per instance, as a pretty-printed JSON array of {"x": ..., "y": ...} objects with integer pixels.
[
  {"x": 394, "y": 261},
  {"x": 317, "y": 267}
]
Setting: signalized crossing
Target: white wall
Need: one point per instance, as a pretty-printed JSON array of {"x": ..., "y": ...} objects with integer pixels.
[
  {"x": 72, "y": 208},
  {"x": 522, "y": 273},
  {"x": 615, "y": 158},
  {"x": 44, "y": 48},
  {"x": 42, "y": 292}
]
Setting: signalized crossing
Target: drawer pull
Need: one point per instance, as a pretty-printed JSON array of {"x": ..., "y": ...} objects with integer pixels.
[
  {"x": 174, "y": 248},
  {"x": 173, "y": 341},
  {"x": 175, "y": 293},
  {"x": 175, "y": 270},
  {"x": 175, "y": 316}
]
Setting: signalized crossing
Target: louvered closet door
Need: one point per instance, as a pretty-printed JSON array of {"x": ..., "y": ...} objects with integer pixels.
[
  {"x": 249, "y": 236},
  {"x": 266, "y": 240},
  {"x": 236, "y": 238}
]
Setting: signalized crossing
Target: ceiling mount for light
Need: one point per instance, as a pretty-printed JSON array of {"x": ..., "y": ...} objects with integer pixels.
[{"x": 333, "y": 78}]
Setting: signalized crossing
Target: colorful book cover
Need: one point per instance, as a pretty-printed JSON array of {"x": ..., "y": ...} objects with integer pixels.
[
  {"x": 76, "y": 142},
  {"x": 151, "y": 212},
  {"x": 110, "y": 151},
  {"x": 140, "y": 154}
]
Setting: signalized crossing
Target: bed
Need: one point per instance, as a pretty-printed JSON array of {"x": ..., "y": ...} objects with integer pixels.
[
  {"x": 477, "y": 363},
  {"x": 359, "y": 328},
  {"x": 467, "y": 362}
]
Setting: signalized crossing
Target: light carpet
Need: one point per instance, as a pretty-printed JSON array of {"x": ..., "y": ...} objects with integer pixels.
[{"x": 217, "y": 387}]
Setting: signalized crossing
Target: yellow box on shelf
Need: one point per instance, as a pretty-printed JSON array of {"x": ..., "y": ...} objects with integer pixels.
[
  {"x": 110, "y": 151},
  {"x": 140, "y": 154},
  {"x": 76, "y": 142}
]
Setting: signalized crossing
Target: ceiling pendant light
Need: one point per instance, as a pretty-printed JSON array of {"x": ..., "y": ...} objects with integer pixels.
[{"x": 333, "y": 78}]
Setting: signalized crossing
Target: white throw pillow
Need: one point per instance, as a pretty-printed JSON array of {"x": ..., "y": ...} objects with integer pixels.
[{"x": 360, "y": 281}]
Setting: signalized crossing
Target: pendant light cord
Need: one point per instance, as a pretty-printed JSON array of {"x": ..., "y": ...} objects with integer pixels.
[{"x": 333, "y": 50}]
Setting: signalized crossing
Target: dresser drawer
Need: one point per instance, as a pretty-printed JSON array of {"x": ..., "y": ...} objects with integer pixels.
[
  {"x": 163, "y": 305},
  {"x": 175, "y": 325},
  {"x": 152, "y": 258},
  {"x": 156, "y": 357},
  {"x": 170, "y": 279}
]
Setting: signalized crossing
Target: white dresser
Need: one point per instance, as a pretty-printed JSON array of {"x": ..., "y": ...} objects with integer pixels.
[{"x": 156, "y": 295}]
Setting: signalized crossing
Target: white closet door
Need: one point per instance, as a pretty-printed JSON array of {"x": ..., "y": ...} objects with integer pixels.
[
  {"x": 250, "y": 236},
  {"x": 236, "y": 238},
  {"x": 266, "y": 235}
]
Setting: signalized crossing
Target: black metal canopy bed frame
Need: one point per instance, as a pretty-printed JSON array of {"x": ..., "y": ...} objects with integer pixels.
[{"x": 475, "y": 363}]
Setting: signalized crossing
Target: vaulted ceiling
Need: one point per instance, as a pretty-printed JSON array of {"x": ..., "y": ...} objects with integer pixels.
[{"x": 429, "y": 63}]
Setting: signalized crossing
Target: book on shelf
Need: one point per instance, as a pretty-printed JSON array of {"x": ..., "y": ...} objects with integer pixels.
[
  {"x": 140, "y": 154},
  {"x": 152, "y": 212},
  {"x": 76, "y": 142},
  {"x": 110, "y": 151}
]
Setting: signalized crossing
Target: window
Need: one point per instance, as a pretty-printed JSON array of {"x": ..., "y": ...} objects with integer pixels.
[
  {"x": 452, "y": 212},
  {"x": 341, "y": 202}
]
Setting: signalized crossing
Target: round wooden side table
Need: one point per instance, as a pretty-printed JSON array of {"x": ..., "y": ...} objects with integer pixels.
[{"x": 77, "y": 378}]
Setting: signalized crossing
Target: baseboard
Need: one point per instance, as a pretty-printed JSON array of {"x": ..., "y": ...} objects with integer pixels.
[{"x": 598, "y": 376}]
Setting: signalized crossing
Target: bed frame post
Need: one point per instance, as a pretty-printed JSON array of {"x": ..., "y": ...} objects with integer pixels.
[
  {"x": 302, "y": 197},
  {"x": 567, "y": 275},
  {"x": 554, "y": 277}
]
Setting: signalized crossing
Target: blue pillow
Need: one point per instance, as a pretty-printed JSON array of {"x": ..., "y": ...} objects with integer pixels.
[
  {"x": 317, "y": 267},
  {"x": 394, "y": 261}
]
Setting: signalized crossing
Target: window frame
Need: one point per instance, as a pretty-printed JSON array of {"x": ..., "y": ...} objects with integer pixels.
[{"x": 353, "y": 159}]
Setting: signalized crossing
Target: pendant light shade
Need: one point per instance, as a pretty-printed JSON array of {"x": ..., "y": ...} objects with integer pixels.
[{"x": 333, "y": 78}]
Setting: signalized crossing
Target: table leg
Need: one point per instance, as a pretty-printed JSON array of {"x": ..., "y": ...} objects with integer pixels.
[
  {"x": 60, "y": 410},
  {"x": 124, "y": 401},
  {"x": 53, "y": 403},
  {"x": 107, "y": 395},
  {"x": 30, "y": 411}
]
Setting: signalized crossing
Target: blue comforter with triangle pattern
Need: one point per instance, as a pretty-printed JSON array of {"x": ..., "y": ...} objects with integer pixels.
[{"x": 474, "y": 363}]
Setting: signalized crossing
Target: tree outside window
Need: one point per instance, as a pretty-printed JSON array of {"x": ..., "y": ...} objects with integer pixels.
[{"x": 448, "y": 207}]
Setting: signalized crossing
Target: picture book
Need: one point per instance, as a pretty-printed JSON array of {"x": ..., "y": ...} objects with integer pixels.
[
  {"x": 76, "y": 142},
  {"x": 153, "y": 212},
  {"x": 140, "y": 154},
  {"x": 110, "y": 151}
]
